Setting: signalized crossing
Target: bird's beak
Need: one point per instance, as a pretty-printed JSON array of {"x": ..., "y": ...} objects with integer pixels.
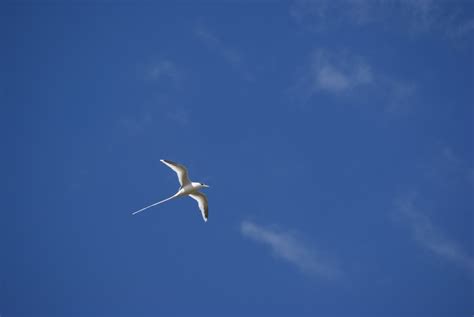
[{"x": 207, "y": 186}]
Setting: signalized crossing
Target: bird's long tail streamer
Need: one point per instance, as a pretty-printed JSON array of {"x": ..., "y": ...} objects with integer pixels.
[{"x": 136, "y": 212}]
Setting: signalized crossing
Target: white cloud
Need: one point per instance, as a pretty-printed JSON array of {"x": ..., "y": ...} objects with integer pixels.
[
  {"x": 323, "y": 14},
  {"x": 180, "y": 116},
  {"x": 136, "y": 125},
  {"x": 428, "y": 236},
  {"x": 230, "y": 55},
  {"x": 449, "y": 170},
  {"x": 211, "y": 40},
  {"x": 398, "y": 94},
  {"x": 462, "y": 29},
  {"x": 341, "y": 76},
  {"x": 331, "y": 79},
  {"x": 166, "y": 78},
  {"x": 448, "y": 173},
  {"x": 338, "y": 76},
  {"x": 413, "y": 16},
  {"x": 163, "y": 70},
  {"x": 287, "y": 246}
]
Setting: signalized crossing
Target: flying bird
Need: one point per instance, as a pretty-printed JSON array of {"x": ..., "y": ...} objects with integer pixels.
[{"x": 187, "y": 188}]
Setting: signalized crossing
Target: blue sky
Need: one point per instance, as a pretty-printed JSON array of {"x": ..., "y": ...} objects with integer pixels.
[{"x": 337, "y": 138}]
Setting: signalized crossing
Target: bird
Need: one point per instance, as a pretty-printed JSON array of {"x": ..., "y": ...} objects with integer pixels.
[{"x": 187, "y": 188}]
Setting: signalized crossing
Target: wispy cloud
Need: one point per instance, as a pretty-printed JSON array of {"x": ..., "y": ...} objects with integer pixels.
[
  {"x": 397, "y": 94},
  {"x": 166, "y": 78},
  {"x": 287, "y": 246},
  {"x": 448, "y": 173},
  {"x": 180, "y": 116},
  {"x": 415, "y": 16},
  {"x": 136, "y": 125},
  {"x": 428, "y": 236},
  {"x": 449, "y": 170},
  {"x": 324, "y": 14},
  {"x": 229, "y": 54},
  {"x": 443, "y": 17},
  {"x": 340, "y": 75},
  {"x": 163, "y": 71}
]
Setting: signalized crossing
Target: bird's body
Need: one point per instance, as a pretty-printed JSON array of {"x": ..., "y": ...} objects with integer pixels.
[{"x": 187, "y": 188}]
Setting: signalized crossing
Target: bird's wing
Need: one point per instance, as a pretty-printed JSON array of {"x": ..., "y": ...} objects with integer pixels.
[
  {"x": 202, "y": 201},
  {"x": 180, "y": 171}
]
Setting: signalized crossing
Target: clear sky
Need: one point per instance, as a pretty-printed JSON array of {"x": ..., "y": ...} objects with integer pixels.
[{"x": 336, "y": 136}]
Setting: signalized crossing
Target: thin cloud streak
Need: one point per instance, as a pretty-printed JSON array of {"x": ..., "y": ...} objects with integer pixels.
[
  {"x": 414, "y": 16},
  {"x": 180, "y": 116},
  {"x": 428, "y": 236},
  {"x": 337, "y": 78},
  {"x": 136, "y": 125},
  {"x": 346, "y": 76},
  {"x": 168, "y": 77},
  {"x": 230, "y": 55},
  {"x": 288, "y": 247},
  {"x": 164, "y": 71}
]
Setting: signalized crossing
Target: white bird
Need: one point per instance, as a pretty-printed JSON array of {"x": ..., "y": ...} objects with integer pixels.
[{"x": 187, "y": 188}]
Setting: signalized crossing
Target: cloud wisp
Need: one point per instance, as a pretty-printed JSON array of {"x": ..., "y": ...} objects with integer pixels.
[
  {"x": 413, "y": 16},
  {"x": 136, "y": 125},
  {"x": 428, "y": 236},
  {"x": 167, "y": 79},
  {"x": 338, "y": 77},
  {"x": 232, "y": 56},
  {"x": 163, "y": 71},
  {"x": 180, "y": 116},
  {"x": 288, "y": 247},
  {"x": 342, "y": 76}
]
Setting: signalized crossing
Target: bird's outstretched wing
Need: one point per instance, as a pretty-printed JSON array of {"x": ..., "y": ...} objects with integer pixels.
[
  {"x": 202, "y": 201},
  {"x": 180, "y": 171}
]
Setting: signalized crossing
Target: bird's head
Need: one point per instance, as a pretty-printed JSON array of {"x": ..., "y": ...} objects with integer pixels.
[{"x": 204, "y": 185}]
